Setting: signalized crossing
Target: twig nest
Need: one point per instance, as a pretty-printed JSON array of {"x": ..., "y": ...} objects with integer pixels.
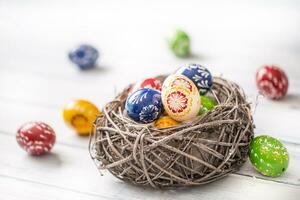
[{"x": 203, "y": 150}]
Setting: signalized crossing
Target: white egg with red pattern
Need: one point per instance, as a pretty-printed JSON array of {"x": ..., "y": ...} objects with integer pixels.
[
  {"x": 272, "y": 82},
  {"x": 180, "y": 97}
]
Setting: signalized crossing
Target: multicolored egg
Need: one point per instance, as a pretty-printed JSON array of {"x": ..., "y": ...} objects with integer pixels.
[
  {"x": 269, "y": 156},
  {"x": 144, "y": 105},
  {"x": 165, "y": 122},
  {"x": 80, "y": 115},
  {"x": 180, "y": 97},
  {"x": 36, "y": 138},
  {"x": 207, "y": 104},
  {"x": 201, "y": 76},
  {"x": 152, "y": 83},
  {"x": 272, "y": 82}
]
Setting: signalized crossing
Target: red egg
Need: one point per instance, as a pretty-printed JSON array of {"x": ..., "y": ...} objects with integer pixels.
[
  {"x": 36, "y": 138},
  {"x": 272, "y": 82},
  {"x": 151, "y": 83}
]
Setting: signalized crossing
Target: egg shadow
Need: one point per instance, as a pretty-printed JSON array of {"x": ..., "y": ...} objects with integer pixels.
[
  {"x": 97, "y": 69},
  {"x": 194, "y": 56},
  {"x": 169, "y": 192},
  {"x": 197, "y": 56},
  {"x": 49, "y": 159},
  {"x": 292, "y": 100}
]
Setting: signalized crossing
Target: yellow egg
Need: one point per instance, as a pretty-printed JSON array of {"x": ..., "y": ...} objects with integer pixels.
[
  {"x": 180, "y": 98},
  {"x": 80, "y": 115},
  {"x": 165, "y": 122}
]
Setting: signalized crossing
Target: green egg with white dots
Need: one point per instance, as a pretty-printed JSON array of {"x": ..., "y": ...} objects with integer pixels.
[{"x": 268, "y": 156}]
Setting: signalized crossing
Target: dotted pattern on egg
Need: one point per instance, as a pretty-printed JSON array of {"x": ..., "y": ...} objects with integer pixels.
[
  {"x": 36, "y": 138},
  {"x": 272, "y": 82},
  {"x": 268, "y": 156}
]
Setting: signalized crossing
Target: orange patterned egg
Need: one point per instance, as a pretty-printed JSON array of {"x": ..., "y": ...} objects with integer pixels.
[
  {"x": 180, "y": 98},
  {"x": 80, "y": 115},
  {"x": 165, "y": 122}
]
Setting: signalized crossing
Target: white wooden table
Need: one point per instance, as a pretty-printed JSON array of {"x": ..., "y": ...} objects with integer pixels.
[{"x": 36, "y": 80}]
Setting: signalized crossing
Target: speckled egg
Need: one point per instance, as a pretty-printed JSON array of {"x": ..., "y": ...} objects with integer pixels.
[
  {"x": 36, "y": 138},
  {"x": 269, "y": 156},
  {"x": 180, "y": 97},
  {"x": 165, "y": 122},
  {"x": 201, "y": 76},
  {"x": 80, "y": 115},
  {"x": 152, "y": 83},
  {"x": 272, "y": 82},
  {"x": 207, "y": 104},
  {"x": 144, "y": 105}
]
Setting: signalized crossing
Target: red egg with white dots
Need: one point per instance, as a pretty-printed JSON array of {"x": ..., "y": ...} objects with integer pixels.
[
  {"x": 36, "y": 138},
  {"x": 272, "y": 82},
  {"x": 152, "y": 83}
]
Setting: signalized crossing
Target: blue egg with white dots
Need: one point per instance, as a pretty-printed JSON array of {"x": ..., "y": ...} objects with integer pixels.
[
  {"x": 200, "y": 75},
  {"x": 144, "y": 105},
  {"x": 85, "y": 56}
]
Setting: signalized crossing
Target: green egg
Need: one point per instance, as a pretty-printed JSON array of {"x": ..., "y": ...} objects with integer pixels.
[
  {"x": 207, "y": 104},
  {"x": 180, "y": 44},
  {"x": 268, "y": 156}
]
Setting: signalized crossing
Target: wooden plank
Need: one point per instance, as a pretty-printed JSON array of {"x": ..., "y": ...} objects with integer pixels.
[
  {"x": 13, "y": 188},
  {"x": 72, "y": 169}
]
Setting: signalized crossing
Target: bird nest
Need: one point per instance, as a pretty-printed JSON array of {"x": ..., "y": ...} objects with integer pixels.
[{"x": 195, "y": 153}]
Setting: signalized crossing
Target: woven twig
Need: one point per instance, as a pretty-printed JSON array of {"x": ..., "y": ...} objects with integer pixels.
[{"x": 212, "y": 146}]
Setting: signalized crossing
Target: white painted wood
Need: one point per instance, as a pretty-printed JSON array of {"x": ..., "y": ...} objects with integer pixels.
[
  {"x": 71, "y": 169},
  {"x": 15, "y": 189},
  {"x": 36, "y": 80}
]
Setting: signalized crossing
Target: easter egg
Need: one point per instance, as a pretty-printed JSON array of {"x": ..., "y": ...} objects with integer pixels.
[
  {"x": 180, "y": 97},
  {"x": 151, "y": 83},
  {"x": 201, "y": 76},
  {"x": 80, "y": 115},
  {"x": 144, "y": 105},
  {"x": 165, "y": 122},
  {"x": 207, "y": 104},
  {"x": 180, "y": 44},
  {"x": 85, "y": 56},
  {"x": 268, "y": 156},
  {"x": 272, "y": 82},
  {"x": 36, "y": 138}
]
